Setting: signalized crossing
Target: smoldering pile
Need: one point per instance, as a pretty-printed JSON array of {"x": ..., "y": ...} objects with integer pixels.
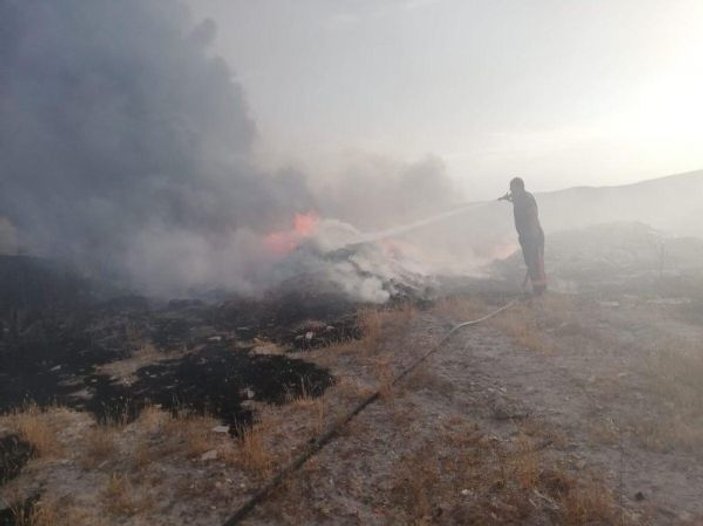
[{"x": 335, "y": 257}]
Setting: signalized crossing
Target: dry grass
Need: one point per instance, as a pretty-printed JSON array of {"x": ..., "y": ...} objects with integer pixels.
[
  {"x": 425, "y": 378},
  {"x": 674, "y": 373},
  {"x": 99, "y": 447},
  {"x": 413, "y": 489},
  {"x": 383, "y": 373},
  {"x": 371, "y": 324},
  {"x": 459, "y": 476},
  {"x": 460, "y": 308},
  {"x": 524, "y": 463},
  {"x": 152, "y": 419},
  {"x": 254, "y": 456},
  {"x": 315, "y": 405},
  {"x": 379, "y": 325},
  {"x": 120, "y": 498},
  {"x": 351, "y": 388},
  {"x": 189, "y": 435},
  {"x": 520, "y": 323},
  {"x": 534, "y": 324},
  {"x": 676, "y": 370},
  {"x": 582, "y": 500},
  {"x": 41, "y": 513},
  {"x": 604, "y": 431},
  {"x": 402, "y": 314},
  {"x": 668, "y": 433},
  {"x": 142, "y": 456},
  {"x": 38, "y": 426},
  {"x": 477, "y": 480}
]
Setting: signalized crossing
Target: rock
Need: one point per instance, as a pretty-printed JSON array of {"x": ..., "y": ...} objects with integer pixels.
[
  {"x": 221, "y": 429},
  {"x": 267, "y": 349},
  {"x": 639, "y": 496},
  {"x": 247, "y": 393},
  {"x": 209, "y": 455}
]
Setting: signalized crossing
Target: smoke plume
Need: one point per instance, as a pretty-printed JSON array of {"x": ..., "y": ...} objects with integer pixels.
[
  {"x": 125, "y": 144},
  {"x": 125, "y": 148}
]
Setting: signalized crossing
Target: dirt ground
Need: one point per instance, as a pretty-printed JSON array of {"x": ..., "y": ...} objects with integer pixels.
[
  {"x": 562, "y": 410},
  {"x": 572, "y": 381}
]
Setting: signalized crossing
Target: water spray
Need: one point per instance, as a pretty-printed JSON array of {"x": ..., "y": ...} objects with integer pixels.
[{"x": 373, "y": 237}]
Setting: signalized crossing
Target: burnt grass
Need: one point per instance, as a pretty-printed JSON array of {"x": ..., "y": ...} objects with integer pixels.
[
  {"x": 213, "y": 381},
  {"x": 14, "y": 454},
  {"x": 56, "y": 330}
]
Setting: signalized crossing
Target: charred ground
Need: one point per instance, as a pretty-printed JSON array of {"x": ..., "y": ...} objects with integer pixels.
[{"x": 582, "y": 407}]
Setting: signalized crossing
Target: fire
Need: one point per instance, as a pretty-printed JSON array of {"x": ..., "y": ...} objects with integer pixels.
[
  {"x": 503, "y": 250},
  {"x": 284, "y": 241},
  {"x": 305, "y": 224}
]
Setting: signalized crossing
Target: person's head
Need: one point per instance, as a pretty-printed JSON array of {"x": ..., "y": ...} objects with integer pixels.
[{"x": 517, "y": 185}]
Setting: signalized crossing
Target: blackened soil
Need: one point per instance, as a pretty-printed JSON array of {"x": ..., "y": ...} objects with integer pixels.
[
  {"x": 15, "y": 515},
  {"x": 14, "y": 454},
  {"x": 54, "y": 335},
  {"x": 214, "y": 380},
  {"x": 46, "y": 362}
]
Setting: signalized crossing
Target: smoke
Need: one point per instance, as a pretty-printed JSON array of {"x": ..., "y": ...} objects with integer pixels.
[
  {"x": 126, "y": 149},
  {"x": 125, "y": 144},
  {"x": 373, "y": 192},
  {"x": 8, "y": 238}
]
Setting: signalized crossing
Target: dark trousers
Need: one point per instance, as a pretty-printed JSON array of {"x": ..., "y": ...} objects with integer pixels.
[{"x": 533, "y": 253}]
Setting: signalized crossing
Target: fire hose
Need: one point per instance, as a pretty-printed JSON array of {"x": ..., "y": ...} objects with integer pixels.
[{"x": 321, "y": 441}]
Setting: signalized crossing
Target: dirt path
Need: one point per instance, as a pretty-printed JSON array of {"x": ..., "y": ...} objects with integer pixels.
[{"x": 568, "y": 396}]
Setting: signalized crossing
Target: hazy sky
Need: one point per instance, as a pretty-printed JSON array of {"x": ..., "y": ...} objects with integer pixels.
[{"x": 560, "y": 92}]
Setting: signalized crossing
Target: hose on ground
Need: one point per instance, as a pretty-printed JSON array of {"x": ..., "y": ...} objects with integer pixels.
[{"x": 321, "y": 441}]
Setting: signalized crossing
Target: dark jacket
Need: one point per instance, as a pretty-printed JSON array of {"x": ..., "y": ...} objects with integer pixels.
[{"x": 526, "y": 216}]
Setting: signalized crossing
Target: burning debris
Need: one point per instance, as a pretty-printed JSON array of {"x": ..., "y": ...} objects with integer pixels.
[{"x": 336, "y": 258}]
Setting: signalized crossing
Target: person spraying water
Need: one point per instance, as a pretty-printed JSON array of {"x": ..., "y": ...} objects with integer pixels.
[{"x": 530, "y": 233}]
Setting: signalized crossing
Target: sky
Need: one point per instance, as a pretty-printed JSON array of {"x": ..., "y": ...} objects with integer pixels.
[{"x": 562, "y": 92}]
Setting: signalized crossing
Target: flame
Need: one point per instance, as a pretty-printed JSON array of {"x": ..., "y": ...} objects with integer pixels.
[
  {"x": 502, "y": 250},
  {"x": 283, "y": 242},
  {"x": 305, "y": 225}
]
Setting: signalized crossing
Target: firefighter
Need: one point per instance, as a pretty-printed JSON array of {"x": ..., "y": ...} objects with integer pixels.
[{"x": 530, "y": 234}]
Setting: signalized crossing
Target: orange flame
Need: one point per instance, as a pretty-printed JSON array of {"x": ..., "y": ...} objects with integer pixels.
[{"x": 284, "y": 241}]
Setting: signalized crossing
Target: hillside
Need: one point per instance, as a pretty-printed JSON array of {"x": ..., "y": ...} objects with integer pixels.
[{"x": 671, "y": 205}]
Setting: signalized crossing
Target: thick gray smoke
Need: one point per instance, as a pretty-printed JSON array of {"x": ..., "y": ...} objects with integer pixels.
[
  {"x": 125, "y": 148},
  {"x": 124, "y": 144}
]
